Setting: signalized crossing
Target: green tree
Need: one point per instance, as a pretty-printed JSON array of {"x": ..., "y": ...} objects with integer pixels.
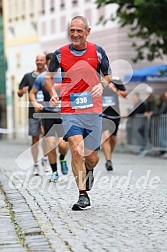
[{"x": 147, "y": 21}]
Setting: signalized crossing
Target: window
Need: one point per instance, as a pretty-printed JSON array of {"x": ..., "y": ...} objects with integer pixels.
[
  {"x": 10, "y": 10},
  {"x": 101, "y": 12},
  {"x": 43, "y": 26},
  {"x": 32, "y": 8},
  {"x": 52, "y": 5},
  {"x": 52, "y": 26},
  {"x": 42, "y": 6},
  {"x": 88, "y": 14},
  {"x": 23, "y": 8},
  {"x": 18, "y": 60},
  {"x": 74, "y": 2},
  {"x": 16, "y": 9},
  {"x": 63, "y": 24},
  {"x": 62, "y": 4}
]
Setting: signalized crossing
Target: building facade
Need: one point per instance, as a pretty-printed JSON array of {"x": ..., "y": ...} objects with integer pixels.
[
  {"x": 37, "y": 26},
  {"x": 21, "y": 46},
  {"x": 54, "y": 20}
]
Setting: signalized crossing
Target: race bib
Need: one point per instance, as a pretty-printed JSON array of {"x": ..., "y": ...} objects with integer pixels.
[
  {"x": 81, "y": 100},
  {"x": 108, "y": 101}
]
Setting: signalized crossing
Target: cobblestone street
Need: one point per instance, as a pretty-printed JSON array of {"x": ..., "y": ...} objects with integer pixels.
[{"x": 129, "y": 207}]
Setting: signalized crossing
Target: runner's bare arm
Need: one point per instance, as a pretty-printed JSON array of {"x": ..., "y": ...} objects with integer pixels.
[
  {"x": 22, "y": 91},
  {"x": 97, "y": 90},
  {"x": 51, "y": 88},
  {"x": 49, "y": 83},
  {"x": 37, "y": 106}
]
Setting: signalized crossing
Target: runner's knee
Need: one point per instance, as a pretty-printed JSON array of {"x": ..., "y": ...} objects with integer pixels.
[{"x": 92, "y": 161}]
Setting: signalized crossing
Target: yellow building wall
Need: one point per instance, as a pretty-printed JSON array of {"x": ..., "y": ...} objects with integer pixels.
[{"x": 20, "y": 33}]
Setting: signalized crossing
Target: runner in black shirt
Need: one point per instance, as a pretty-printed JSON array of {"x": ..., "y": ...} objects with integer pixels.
[
  {"x": 111, "y": 118},
  {"x": 35, "y": 125}
]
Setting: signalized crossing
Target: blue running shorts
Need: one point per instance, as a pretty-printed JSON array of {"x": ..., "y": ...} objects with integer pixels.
[{"x": 87, "y": 125}]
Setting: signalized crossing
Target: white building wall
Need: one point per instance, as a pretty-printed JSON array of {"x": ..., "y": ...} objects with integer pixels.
[
  {"x": 61, "y": 17},
  {"x": 110, "y": 36}
]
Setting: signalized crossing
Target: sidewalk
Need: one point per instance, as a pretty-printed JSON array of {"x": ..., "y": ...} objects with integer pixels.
[{"x": 128, "y": 206}]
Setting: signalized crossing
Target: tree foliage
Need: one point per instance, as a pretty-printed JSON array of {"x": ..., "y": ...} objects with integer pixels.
[{"x": 148, "y": 22}]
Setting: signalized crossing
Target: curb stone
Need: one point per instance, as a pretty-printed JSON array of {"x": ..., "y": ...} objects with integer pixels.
[{"x": 30, "y": 235}]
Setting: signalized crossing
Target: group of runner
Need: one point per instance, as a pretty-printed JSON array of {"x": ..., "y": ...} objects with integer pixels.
[{"x": 75, "y": 101}]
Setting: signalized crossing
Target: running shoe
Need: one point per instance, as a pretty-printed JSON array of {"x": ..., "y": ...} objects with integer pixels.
[
  {"x": 54, "y": 177},
  {"x": 36, "y": 170},
  {"x": 82, "y": 204},
  {"x": 109, "y": 166},
  {"x": 64, "y": 167},
  {"x": 45, "y": 165},
  {"x": 89, "y": 179}
]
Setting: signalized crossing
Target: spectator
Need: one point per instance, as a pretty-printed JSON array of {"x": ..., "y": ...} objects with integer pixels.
[
  {"x": 150, "y": 103},
  {"x": 138, "y": 105},
  {"x": 162, "y": 104},
  {"x": 135, "y": 124},
  {"x": 162, "y": 110}
]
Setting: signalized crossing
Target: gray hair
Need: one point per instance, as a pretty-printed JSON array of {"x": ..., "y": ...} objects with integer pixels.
[{"x": 84, "y": 19}]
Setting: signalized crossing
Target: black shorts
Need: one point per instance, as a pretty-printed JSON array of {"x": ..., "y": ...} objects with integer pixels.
[
  {"x": 111, "y": 125},
  {"x": 53, "y": 127}
]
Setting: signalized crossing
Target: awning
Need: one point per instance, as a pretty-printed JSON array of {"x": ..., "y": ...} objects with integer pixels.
[{"x": 157, "y": 73}]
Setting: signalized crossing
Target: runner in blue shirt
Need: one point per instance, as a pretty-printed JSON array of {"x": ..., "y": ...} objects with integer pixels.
[{"x": 52, "y": 123}]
